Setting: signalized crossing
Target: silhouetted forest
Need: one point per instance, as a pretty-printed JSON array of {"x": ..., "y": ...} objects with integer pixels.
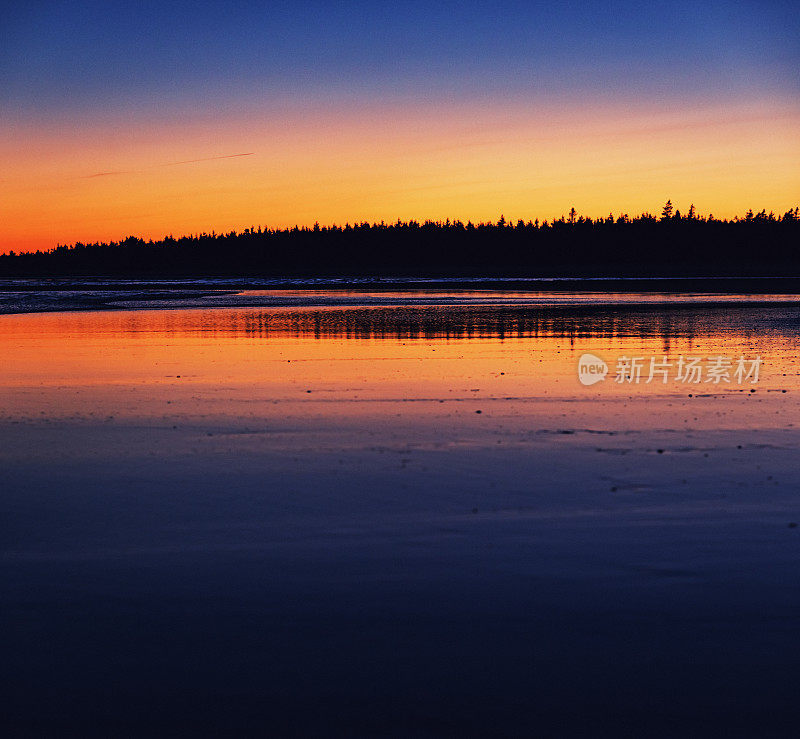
[{"x": 672, "y": 244}]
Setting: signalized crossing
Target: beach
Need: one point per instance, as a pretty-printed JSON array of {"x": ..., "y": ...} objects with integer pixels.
[{"x": 396, "y": 513}]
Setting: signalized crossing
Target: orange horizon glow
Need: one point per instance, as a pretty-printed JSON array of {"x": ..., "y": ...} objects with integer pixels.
[{"x": 116, "y": 178}]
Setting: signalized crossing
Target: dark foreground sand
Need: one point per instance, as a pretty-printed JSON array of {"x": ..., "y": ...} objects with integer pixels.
[{"x": 225, "y": 553}]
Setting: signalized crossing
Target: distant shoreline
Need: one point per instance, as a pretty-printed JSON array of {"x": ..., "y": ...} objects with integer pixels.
[
  {"x": 409, "y": 294},
  {"x": 779, "y": 285}
]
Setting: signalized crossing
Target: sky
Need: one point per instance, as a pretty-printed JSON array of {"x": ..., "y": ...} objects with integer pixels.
[{"x": 155, "y": 118}]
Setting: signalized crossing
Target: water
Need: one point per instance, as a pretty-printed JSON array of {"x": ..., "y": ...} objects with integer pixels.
[
  {"x": 398, "y": 513},
  {"x": 59, "y": 294}
]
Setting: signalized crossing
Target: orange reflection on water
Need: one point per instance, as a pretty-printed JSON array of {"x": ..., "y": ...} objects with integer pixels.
[{"x": 353, "y": 361}]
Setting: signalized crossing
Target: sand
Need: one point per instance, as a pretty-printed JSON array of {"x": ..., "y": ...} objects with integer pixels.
[{"x": 247, "y": 521}]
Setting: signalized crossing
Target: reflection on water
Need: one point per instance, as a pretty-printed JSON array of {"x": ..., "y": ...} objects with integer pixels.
[
  {"x": 481, "y": 321},
  {"x": 584, "y": 316},
  {"x": 260, "y": 502},
  {"x": 263, "y": 504},
  {"x": 370, "y": 353}
]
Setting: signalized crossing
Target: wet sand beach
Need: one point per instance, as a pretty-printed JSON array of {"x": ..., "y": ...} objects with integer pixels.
[{"x": 395, "y": 514}]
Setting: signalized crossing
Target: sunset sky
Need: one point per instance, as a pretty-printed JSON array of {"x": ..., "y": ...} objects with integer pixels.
[{"x": 150, "y": 118}]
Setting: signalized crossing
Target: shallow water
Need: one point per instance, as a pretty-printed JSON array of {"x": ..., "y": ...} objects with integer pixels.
[
  {"x": 400, "y": 514},
  {"x": 47, "y": 295}
]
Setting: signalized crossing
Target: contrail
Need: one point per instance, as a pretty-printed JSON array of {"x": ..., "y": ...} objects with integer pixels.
[
  {"x": 105, "y": 174},
  {"x": 168, "y": 164},
  {"x": 208, "y": 159}
]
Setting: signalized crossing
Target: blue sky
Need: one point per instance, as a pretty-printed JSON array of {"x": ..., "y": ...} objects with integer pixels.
[{"x": 84, "y": 56}]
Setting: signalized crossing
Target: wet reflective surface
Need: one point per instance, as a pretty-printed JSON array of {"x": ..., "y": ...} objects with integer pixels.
[{"x": 411, "y": 517}]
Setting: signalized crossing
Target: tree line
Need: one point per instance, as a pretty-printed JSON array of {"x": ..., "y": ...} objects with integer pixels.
[{"x": 672, "y": 244}]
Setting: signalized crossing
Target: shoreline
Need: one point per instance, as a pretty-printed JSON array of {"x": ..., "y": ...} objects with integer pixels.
[
  {"x": 754, "y": 284},
  {"x": 24, "y": 296},
  {"x": 316, "y": 300}
]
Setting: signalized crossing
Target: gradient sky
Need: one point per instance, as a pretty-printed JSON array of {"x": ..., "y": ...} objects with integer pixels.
[{"x": 149, "y": 118}]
